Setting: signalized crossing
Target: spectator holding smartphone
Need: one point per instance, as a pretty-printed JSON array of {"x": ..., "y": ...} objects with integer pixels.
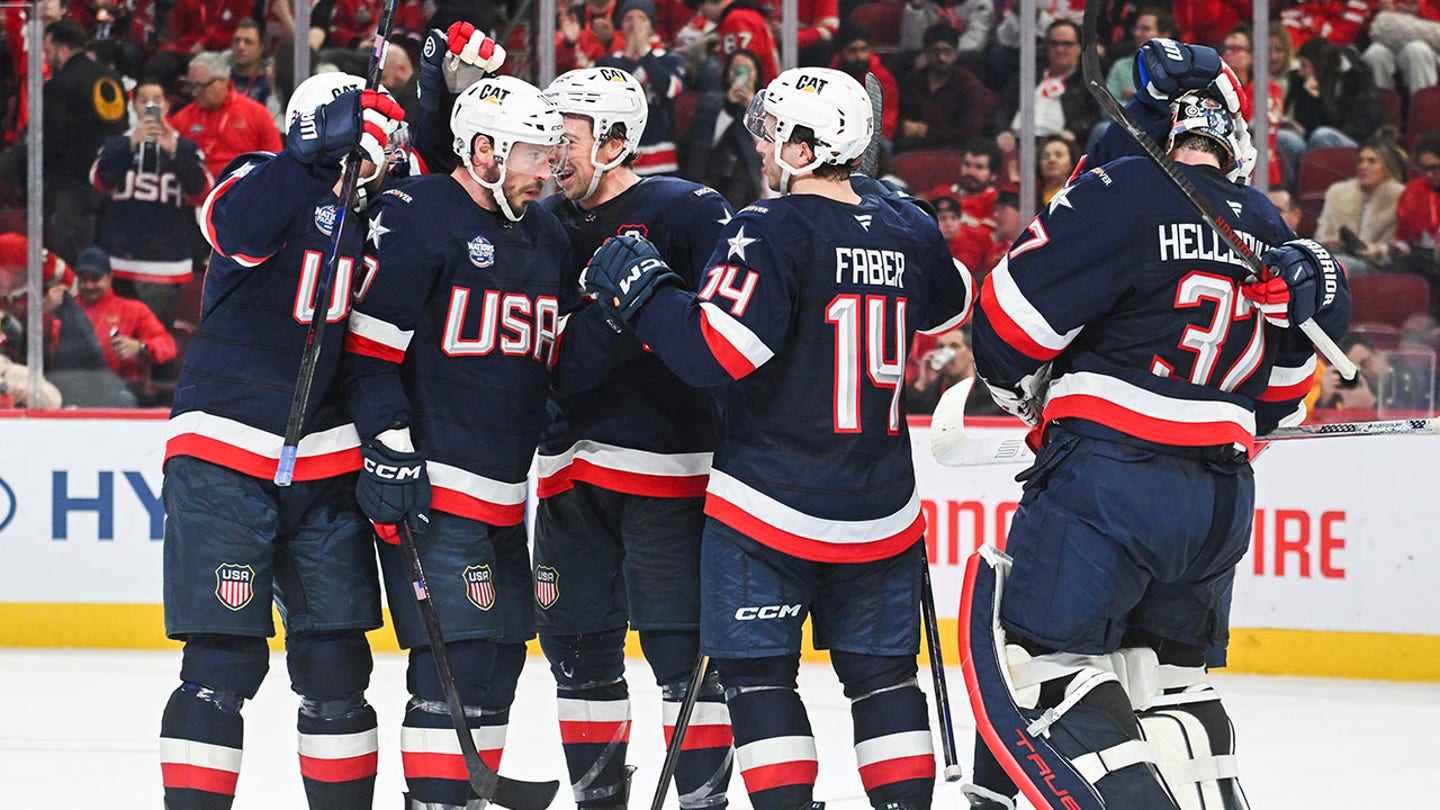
[{"x": 129, "y": 334}]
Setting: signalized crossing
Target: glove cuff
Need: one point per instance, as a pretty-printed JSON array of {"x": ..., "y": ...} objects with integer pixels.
[{"x": 396, "y": 439}]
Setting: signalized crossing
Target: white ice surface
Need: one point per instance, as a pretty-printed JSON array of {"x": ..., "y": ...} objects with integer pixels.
[{"x": 79, "y": 729}]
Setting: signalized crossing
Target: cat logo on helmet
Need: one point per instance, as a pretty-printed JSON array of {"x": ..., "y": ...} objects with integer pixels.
[
  {"x": 493, "y": 93},
  {"x": 811, "y": 84},
  {"x": 613, "y": 75}
]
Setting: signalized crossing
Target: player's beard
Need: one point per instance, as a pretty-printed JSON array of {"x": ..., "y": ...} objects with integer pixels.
[{"x": 517, "y": 188}]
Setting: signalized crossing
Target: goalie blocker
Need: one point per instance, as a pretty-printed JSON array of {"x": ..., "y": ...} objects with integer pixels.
[{"x": 1085, "y": 732}]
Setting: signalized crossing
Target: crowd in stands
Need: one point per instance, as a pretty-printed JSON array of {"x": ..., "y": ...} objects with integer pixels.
[{"x": 147, "y": 100}]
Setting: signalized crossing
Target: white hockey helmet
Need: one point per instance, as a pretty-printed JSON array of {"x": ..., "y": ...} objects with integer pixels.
[
  {"x": 323, "y": 88},
  {"x": 829, "y": 102},
  {"x": 608, "y": 97},
  {"x": 508, "y": 111},
  {"x": 1195, "y": 112}
]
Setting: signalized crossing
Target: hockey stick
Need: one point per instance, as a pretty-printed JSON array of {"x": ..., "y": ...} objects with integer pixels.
[
  {"x": 1095, "y": 83},
  {"x": 937, "y": 672},
  {"x": 682, "y": 722},
  {"x": 947, "y": 422},
  {"x": 285, "y": 470},
  {"x": 870, "y": 159},
  {"x": 486, "y": 783},
  {"x": 979, "y": 451}
]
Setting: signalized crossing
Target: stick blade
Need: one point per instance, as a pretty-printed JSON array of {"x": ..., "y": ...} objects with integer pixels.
[
  {"x": 518, "y": 795},
  {"x": 947, "y": 424}
]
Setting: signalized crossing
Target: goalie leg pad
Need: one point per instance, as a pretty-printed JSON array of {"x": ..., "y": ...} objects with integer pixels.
[{"x": 1060, "y": 724}]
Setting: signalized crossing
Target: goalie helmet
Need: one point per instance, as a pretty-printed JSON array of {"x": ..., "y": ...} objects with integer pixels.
[
  {"x": 1195, "y": 112},
  {"x": 323, "y": 88},
  {"x": 606, "y": 96},
  {"x": 829, "y": 102},
  {"x": 507, "y": 111}
]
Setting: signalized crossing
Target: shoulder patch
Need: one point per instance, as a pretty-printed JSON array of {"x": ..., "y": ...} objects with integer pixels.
[
  {"x": 109, "y": 99},
  {"x": 325, "y": 218},
  {"x": 754, "y": 209},
  {"x": 1099, "y": 172},
  {"x": 481, "y": 251},
  {"x": 398, "y": 194}
]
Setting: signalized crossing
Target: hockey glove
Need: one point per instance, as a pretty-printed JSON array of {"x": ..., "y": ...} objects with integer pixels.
[
  {"x": 325, "y": 135},
  {"x": 1026, "y": 398},
  {"x": 453, "y": 60},
  {"x": 393, "y": 484},
  {"x": 1302, "y": 280},
  {"x": 1165, "y": 68},
  {"x": 623, "y": 274}
]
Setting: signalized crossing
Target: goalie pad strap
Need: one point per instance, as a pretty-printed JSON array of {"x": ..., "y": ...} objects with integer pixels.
[{"x": 1098, "y": 765}]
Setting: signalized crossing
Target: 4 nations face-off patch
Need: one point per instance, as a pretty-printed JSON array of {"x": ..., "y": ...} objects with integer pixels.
[
  {"x": 547, "y": 586},
  {"x": 479, "y": 586},
  {"x": 234, "y": 585}
]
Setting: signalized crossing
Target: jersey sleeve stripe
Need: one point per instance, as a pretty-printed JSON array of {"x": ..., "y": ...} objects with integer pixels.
[
  {"x": 1017, "y": 321},
  {"x": 463, "y": 493},
  {"x": 372, "y": 337},
  {"x": 734, "y": 346},
  {"x": 1290, "y": 382},
  {"x": 208, "y": 225},
  {"x": 964, "y": 313},
  {"x": 1148, "y": 415}
]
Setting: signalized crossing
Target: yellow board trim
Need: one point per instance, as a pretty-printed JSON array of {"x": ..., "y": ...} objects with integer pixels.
[{"x": 1376, "y": 656}]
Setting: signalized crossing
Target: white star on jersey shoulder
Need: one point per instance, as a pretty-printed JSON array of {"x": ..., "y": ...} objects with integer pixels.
[
  {"x": 738, "y": 243},
  {"x": 1062, "y": 197},
  {"x": 377, "y": 230}
]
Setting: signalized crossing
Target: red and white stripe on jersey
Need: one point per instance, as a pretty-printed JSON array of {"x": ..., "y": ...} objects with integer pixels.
[
  {"x": 593, "y": 721},
  {"x": 895, "y": 758},
  {"x": 372, "y": 337},
  {"x": 339, "y": 757},
  {"x": 434, "y": 753},
  {"x": 256, "y": 452},
  {"x": 1148, "y": 415},
  {"x": 622, "y": 469},
  {"x": 191, "y": 765},
  {"x": 1290, "y": 382},
  {"x": 1017, "y": 321},
  {"x": 464, "y": 493},
  {"x": 964, "y": 313},
  {"x": 657, "y": 158},
  {"x": 709, "y": 725},
  {"x": 777, "y": 762},
  {"x": 734, "y": 346},
  {"x": 207, "y": 221},
  {"x": 772, "y": 523},
  {"x": 154, "y": 271}
]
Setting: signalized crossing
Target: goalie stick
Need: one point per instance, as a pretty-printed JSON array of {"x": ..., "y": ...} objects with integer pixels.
[
  {"x": 285, "y": 470},
  {"x": 1095, "y": 83},
  {"x": 979, "y": 451},
  {"x": 486, "y": 783}
]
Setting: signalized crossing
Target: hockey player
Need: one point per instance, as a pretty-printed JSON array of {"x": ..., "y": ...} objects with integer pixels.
[
  {"x": 449, "y": 356},
  {"x": 1147, "y": 358},
  {"x": 622, "y": 472},
  {"x": 802, "y": 325},
  {"x": 233, "y": 540}
]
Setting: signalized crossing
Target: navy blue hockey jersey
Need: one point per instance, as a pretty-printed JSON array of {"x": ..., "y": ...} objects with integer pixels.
[
  {"x": 270, "y": 223},
  {"x": 148, "y": 227},
  {"x": 1147, "y": 335},
  {"x": 457, "y": 337},
  {"x": 642, "y": 431},
  {"x": 804, "y": 319}
]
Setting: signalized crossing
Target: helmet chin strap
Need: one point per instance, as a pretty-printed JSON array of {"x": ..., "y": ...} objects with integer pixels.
[
  {"x": 787, "y": 171},
  {"x": 496, "y": 190},
  {"x": 600, "y": 169}
]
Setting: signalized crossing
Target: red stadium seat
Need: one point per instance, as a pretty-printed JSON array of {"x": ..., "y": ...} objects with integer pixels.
[
  {"x": 882, "y": 20},
  {"x": 1388, "y": 298},
  {"x": 1390, "y": 99},
  {"x": 684, "y": 110},
  {"x": 1424, "y": 111},
  {"x": 1382, "y": 335},
  {"x": 1321, "y": 168},
  {"x": 925, "y": 169}
]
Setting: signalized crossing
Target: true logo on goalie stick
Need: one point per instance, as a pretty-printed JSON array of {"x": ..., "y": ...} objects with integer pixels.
[
  {"x": 547, "y": 586},
  {"x": 234, "y": 585},
  {"x": 479, "y": 586},
  {"x": 482, "y": 253}
]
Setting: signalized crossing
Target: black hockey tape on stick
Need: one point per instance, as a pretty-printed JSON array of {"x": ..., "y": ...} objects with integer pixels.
[
  {"x": 870, "y": 159},
  {"x": 486, "y": 783},
  {"x": 1095, "y": 83},
  {"x": 937, "y": 672},
  {"x": 677, "y": 737},
  {"x": 300, "y": 399}
]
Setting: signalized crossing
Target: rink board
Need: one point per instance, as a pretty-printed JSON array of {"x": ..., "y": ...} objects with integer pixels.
[{"x": 1339, "y": 580}]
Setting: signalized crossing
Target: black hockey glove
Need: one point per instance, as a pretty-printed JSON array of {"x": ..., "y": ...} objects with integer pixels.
[
  {"x": 454, "y": 59},
  {"x": 393, "y": 486},
  {"x": 325, "y": 135},
  {"x": 1303, "y": 280},
  {"x": 1165, "y": 68},
  {"x": 623, "y": 274}
]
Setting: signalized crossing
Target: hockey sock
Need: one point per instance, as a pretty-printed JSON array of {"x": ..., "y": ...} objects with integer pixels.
[
  {"x": 773, "y": 744},
  {"x": 339, "y": 752},
  {"x": 430, "y": 753},
  {"x": 893, "y": 748},
  {"x": 702, "y": 772},
  {"x": 201, "y": 736},
  {"x": 595, "y": 731}
]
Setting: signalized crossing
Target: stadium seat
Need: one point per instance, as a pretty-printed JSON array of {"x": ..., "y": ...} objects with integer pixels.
[
  {"x": 1390, "y": 99},
  {"x": 1382, "y": 335},
  {"x": 12, "y": 220},
  {"x": 924, "y": 169},
  {"x": 1388, "y": 298},
  {"x": 684, "y": 111},
  {"x": 882, "y": 20},
  {"x": 1424, "y": 111},
  {"x": 1321, "y": 168}
]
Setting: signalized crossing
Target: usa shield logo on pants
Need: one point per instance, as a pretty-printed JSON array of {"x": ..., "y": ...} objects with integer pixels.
[
  {"x": 547, "y": 586},
  {"x": 234, "y": 585},
  {"x": 479, "y": 586}
]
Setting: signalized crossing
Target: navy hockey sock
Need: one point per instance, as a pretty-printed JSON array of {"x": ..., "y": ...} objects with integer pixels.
[
  {"x": 774, "y": 747},
  {"x": 430, "y": 753},
  {"x": 893, "y": 748},
  {"x": 201, "y": 736},
  {"x": 339, "y": 752},
  {"x": 595, "y": 731},
  {"x": 702, "y": 773}
]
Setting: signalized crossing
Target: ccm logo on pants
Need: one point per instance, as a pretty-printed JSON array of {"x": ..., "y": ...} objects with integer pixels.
[{"x": 746, "y": 614}]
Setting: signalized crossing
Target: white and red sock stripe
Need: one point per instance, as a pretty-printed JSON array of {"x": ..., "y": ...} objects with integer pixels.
[
  {"x": 339, "y": 757},
  {"x": 897, "y": 757},
  {"x": 191, "y": 765},
  {"x": 709, "y": 725},
  {"x": 593, "y": 721},
  {"x": 778, "y": 762},
  {"x": 434, "y": 753}
]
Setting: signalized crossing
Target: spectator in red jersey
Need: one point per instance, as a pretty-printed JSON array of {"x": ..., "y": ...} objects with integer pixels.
[
  {"x": 741, "y": 26},
  {"x": 585, "y": 34},
  {"x": 819, "y": 20},
  {"x": 1417, "y": 215},
  {"x": 854, "y": 55},
  {"x": 352, "y": 22},
  {"x": 119, "y": 30},
  {"x": 191, "y": 27},
  {"x": 132, "y": 338},
  {"x": 1239, "y": 53},
  {"x": 1342, "y": 22},
  {"x": 969, "y": 244},
  {"x": 221, "y": 121},
  {"x": 941, "y": 103},
  {"x": 1008, "y": 226},
  {"x": 1206, "y": 22},
  {"x": 1404, "y": 38}
]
